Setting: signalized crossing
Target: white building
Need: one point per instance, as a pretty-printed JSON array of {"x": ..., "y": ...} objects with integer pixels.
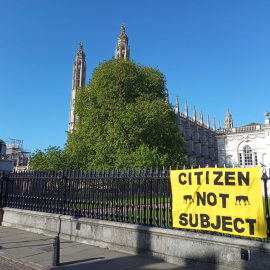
[{"x": 245, "y": 146}]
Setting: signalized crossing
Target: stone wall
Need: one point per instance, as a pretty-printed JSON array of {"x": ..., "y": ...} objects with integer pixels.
[{"x": 183, "y": 248}]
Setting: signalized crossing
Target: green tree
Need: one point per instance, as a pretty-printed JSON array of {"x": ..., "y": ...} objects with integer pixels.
[
  {"x": 123, "y": 120},
  {"x": 51, "y": 159}
]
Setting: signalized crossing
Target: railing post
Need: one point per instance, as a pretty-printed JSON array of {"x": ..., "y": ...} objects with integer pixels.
[
  {"x": 132, "y": 196},
  {"x": 138, "y": 195},
  {"x": 127, "y": 186},
  {"x": 265, "y": 178},
  {"x": 144, "y": 183},
  {"x": 1, "y": 190},
  {"x": 64, "y": 194},
  {"x": 4, "y": 190}
]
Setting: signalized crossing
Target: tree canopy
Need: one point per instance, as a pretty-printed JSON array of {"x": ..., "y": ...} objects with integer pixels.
[
  {"x": 123, "y": 120},
  {"x": 51, "y": 159}
]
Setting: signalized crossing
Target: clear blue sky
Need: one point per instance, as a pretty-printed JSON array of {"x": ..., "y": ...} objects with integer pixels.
[{"x": 214, "y": 54}]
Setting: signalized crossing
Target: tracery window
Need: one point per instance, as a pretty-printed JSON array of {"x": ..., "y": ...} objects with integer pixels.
[
  {"x": 248, "y": 156},
  {"x": 255, "y": 158}
]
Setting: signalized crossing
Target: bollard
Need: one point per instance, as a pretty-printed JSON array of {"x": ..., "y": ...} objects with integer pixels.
[
  {"x": 56, "y": 251},
  {"x": 267, "y": 217}
]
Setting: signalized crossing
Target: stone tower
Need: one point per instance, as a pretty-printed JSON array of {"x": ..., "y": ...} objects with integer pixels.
[
  {"x": 122, "y": 49},
  {"x": 228, "y": 120},
  {"x": 79, "y": 72}
]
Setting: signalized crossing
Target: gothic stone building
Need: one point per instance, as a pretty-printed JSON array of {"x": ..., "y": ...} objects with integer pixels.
[
  {"x": 201, "y": 144},
  {"x": 205, "y": 146}
]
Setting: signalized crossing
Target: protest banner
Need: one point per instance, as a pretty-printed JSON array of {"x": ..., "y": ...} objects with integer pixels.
[{"x": 218, "y": 199}]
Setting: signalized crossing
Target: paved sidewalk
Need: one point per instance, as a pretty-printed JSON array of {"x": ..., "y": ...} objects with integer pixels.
[{"x": 35, "y": 250}]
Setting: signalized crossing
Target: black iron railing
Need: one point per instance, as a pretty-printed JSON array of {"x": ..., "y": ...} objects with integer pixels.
[
  {"x": 141, "y": 197},
  {"x": 137, "y": 197}
]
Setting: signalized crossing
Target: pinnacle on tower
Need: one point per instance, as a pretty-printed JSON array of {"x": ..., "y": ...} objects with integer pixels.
[
  {"x": 194, "y": 113},
  {"x": 266, "y": 114},
  {"x": 219, "y": 125},
  {"x": 200, "y": 119},
  {"x": 214, "y": 124},
  {"x": 186, "y": 110},
  {"x": 208, "y": 122},
  {"x": 228, "y": 120},
  {"x": 79, "y": 74},
  {"x": 166, "y": 96},
  {"x": 122, "y": 49},
  {"x": 177, "y": 106}
]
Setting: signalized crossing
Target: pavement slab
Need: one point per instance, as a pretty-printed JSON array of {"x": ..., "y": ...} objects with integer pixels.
[{"x": 35, "y": 252}]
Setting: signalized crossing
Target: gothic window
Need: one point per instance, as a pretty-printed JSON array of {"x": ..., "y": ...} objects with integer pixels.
[
  {"x": 248, "y": 156},
  {"x": 255, "y": 158}
]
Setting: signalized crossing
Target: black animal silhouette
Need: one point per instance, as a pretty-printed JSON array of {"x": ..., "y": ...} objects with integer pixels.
[
  {"x": 188, "y": 197},
  {"x": 239, "y": 198}
]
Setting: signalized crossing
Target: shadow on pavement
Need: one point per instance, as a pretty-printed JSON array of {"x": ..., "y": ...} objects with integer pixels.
[
  {"x": 127, "y": 262},
  {"x": 80, "y": 261}
]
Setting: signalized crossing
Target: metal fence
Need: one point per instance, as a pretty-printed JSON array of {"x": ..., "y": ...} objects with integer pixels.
[
  {"x": 137, "y": 197},
  {"x": 142, "y": 197}
]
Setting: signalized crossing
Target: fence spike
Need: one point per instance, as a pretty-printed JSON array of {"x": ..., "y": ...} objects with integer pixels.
[{"x": 163, "y": 171}]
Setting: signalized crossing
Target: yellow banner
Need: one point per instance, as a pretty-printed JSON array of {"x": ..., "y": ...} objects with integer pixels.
[{"x": 220, "y": 200}]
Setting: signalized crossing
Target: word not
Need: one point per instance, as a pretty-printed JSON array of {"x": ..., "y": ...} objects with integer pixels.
[{"x": 211, "y": 199}]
